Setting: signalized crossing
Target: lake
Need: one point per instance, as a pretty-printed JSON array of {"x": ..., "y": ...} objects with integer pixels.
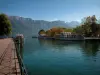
[{"x": 50, "y": 57}]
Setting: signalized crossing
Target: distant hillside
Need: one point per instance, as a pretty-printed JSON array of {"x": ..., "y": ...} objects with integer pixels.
[
  {"x": 29, "y": 27},
  {"x": 73, "y": 23}
]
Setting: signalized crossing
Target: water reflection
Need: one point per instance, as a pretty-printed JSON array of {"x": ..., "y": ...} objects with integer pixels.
[
  {"x": 57, "y": 42},
  {"x": 89, "y": 48},
  {"x": 57, "y": 45}
]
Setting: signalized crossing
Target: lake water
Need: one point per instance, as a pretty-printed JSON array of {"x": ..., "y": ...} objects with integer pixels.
[{"x": 49, "y": 57}]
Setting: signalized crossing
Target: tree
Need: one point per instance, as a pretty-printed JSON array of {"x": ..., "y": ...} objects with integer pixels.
[
  {"x": 83, "y": 20},
  {"x": 78, "y": 30},
  {"x": 41, "y": 32},
  {"x": 5, "y": 25},
  {"x": 68, "y": 30},
  {"x": 94, "y": 26},
  {"x": 55, "y": 31},
  {"x": 89, "y": 25},
  {"x": 93, "y": 19}
]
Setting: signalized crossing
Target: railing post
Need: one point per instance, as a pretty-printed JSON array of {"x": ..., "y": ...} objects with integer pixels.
[{"x": 19, "y": 45}]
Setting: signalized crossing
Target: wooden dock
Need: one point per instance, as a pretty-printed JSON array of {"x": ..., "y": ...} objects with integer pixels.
[{"x": 9, "y": 64}]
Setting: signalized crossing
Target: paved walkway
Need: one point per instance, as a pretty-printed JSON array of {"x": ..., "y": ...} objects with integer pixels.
[{"x": 8, "y": 60}]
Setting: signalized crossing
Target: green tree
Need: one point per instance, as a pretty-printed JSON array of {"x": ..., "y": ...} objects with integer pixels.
[
  {"x": 5, "y": 25},
  {"x": 83, "y": 20},
  {"x": 78, "y": 30},
  {"x": 94, "y": 26},
  {"x": 41, "y": 32},
  {"x": 89, "y": 26}
]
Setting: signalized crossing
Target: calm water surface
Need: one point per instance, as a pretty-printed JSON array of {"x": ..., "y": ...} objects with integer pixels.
[{"x": 47, "y": 57}]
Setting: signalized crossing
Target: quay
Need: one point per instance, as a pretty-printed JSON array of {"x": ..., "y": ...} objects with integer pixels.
[
  {"x": 72, "y": 39},
  {"x": 68, "y": 36},
  {"x": 91, "y": 38},
  {"x": 11, "y": 62}
]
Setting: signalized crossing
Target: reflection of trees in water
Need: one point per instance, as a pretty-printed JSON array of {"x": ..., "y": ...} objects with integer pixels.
[
  {"x": 90, "y": 47},
  {"x": 57, "y": 42},
  {"x": 60, "y": 45},
  {"x": 51, "y": 44}
]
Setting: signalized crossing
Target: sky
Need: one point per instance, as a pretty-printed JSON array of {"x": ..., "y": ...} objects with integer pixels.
[{"x": 50, "y": 10}]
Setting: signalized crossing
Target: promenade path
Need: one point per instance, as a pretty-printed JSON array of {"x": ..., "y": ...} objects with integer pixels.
[{"x": 8, "y": 59}]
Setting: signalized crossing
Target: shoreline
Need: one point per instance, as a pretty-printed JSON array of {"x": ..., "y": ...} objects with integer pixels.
[{"x": 68, "y": 39}]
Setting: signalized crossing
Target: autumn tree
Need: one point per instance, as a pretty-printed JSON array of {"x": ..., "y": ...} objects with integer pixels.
[{"x": 48, "y": 33}]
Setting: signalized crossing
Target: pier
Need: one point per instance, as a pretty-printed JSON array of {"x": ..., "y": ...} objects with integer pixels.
[
  {"x": 11, "y": 62},
  {"x": 8, "y": 59}
]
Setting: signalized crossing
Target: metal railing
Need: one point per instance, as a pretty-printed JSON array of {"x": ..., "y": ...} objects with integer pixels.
[{"x": 21, "y": 64}]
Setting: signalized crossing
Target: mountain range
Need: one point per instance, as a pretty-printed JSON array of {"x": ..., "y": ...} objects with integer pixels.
[{"x": 30, "y": 27}]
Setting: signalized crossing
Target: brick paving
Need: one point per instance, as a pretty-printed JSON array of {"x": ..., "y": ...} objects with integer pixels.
[{"x": 8, "y": 60}]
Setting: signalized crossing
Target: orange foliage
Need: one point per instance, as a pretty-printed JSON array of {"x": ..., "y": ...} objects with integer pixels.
[{"x": 54, "y": 31}]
